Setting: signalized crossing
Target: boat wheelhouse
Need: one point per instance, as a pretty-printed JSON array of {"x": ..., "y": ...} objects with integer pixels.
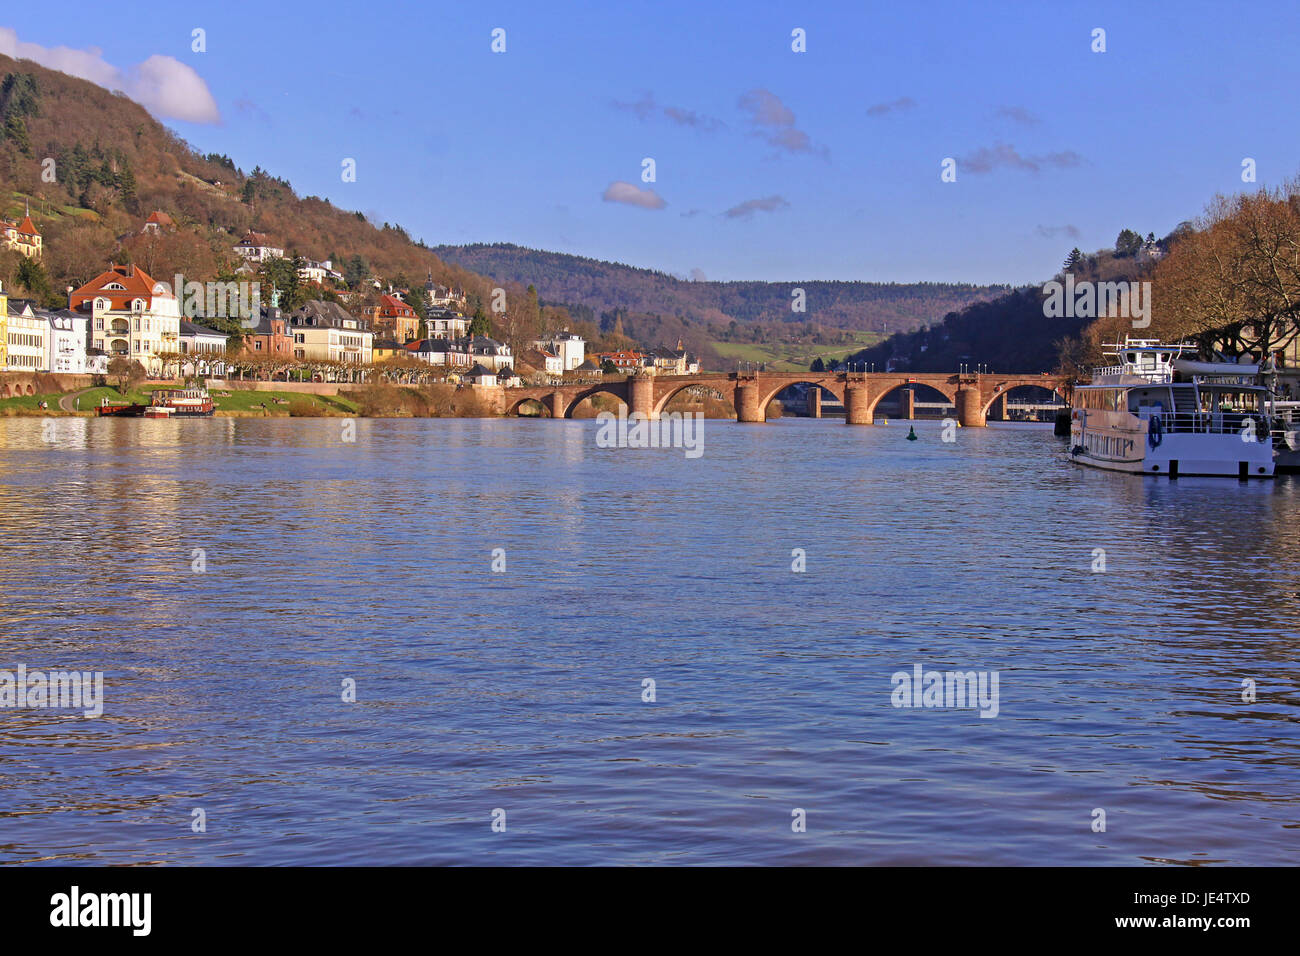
[{"x": 1162, "y": 412}]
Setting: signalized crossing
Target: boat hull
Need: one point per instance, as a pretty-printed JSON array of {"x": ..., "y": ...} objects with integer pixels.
[{"x": 1119, "y": 441}]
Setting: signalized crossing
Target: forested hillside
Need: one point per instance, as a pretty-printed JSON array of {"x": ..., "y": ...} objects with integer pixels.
[{"x": 606, "y": 286}]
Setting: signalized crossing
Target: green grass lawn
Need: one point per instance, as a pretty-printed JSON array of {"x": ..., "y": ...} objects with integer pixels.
[
  {"x": 29, "y": 402},
  {"x": 793, "y": 357},
  {"x": 277, "y": 403}
]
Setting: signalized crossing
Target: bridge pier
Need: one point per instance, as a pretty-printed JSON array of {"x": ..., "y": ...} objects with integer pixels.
[
  {"x": 814, "y": 401},
  {"x": 555, "y": 404},
  {"x": 909, "y": 404},
  {"x": 970, "y": 410},
  {"x": 748, "y": 403},
  {"x": 641, "y": 396},
  {"x": 857, "y": 402}
]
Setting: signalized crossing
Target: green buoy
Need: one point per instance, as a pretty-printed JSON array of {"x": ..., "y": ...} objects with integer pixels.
[{"x": 911, "y": 433}]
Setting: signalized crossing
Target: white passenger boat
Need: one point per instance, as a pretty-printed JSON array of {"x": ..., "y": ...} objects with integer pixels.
[{"x": 1158, "y": 413}]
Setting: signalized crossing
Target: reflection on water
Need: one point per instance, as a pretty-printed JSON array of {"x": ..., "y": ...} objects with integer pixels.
[{"x": 327, "y": 560}]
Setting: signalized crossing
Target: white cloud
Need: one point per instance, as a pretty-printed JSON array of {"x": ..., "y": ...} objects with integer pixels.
[
  {"x": 163, "y": 85},
  {"x": 633, "y": 196}
]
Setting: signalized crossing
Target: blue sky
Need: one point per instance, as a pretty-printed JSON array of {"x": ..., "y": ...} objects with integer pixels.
[{"x": 828, "y": 160}]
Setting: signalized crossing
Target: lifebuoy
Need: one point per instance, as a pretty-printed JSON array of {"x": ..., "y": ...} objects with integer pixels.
[{"x": 1155, "y": 431}]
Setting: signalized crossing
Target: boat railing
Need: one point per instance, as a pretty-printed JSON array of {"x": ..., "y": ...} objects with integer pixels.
[{"x": 1209, "y": 423}]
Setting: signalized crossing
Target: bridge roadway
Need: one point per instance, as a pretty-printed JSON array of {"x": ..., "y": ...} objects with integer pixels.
[{"x": 751, "y": 392}]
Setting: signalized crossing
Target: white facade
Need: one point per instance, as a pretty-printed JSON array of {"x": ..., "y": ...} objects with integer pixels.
[
  {"x": 571, "y": 348},
  {"x": 28, "y": 337},
  {"x": 66, "y": 343},
  {"x": 319, "y": 272},
  {"x": 204, "y": 350},
  {"x": 251, "y": 248},
  {"x": 446, "y": 325}
]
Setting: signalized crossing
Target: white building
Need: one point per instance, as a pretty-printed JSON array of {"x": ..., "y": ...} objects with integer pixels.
[
  {"x": 571, "y": 348},
  {"x": 319, "y": 272},
  {"x": 441, "y": 323},
  {"x": 256, "y": 247},
  {"x": 204, "y": 350},
  {"x": 66, "y": 342},
  {"x": 27, "y": 335}
]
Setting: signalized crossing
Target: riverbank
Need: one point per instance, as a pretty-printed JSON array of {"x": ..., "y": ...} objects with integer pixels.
[{"x": 303, "y": 400}]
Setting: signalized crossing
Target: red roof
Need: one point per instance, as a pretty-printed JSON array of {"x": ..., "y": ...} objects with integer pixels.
[
  {"x": 135, "y": 282},
  {"x": 27, "y": 229},
  {"x": 390, "y": 306}
]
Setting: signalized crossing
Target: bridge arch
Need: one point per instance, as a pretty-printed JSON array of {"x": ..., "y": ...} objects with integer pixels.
[
  {"x": 724, "y": 388},
  {"x": 616, "y": 389},
  {"x": 948, "y": 393},
  {"x": 1004, "y": 388},
  {"x": 831, "y": 385},
  {"x": 514, "y": 410}
]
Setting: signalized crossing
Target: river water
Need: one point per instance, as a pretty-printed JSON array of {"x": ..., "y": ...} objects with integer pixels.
[{"x": 232, "y": 577}]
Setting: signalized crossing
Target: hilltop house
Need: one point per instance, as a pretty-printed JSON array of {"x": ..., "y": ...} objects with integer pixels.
[
  {"x": 319, "y": 272},
  {"x": 255, "y": 247},
  {"x": 325, "y": 331},
  {"x": 22, "y": 237},
  {"x": 158, "y": 223},
  {"x": 440, "y": 296},
  {"x": 131, "y": 315}
]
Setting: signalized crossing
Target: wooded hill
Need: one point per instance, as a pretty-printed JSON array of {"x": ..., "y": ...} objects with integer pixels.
[{"x": 608, "y": 286}]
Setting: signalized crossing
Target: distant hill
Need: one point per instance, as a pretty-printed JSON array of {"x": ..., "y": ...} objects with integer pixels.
[
  {"x": 1012, "y": 333},
  {"x": 607, "y": 286}
]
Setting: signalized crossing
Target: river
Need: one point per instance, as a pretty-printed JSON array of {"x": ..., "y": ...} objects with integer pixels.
[{"x": 233, "y": 578}]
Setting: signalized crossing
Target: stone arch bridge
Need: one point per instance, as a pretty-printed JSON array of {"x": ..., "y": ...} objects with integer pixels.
[{"x": 751, "y": 392}]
